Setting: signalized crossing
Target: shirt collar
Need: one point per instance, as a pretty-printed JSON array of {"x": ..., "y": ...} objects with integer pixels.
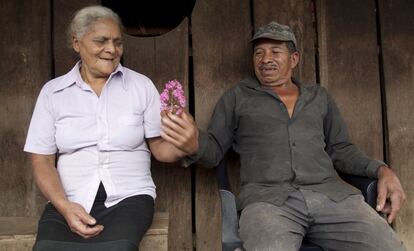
[
  {"x": 253, "y": 82},
  {"x": 74, "y": 77}
]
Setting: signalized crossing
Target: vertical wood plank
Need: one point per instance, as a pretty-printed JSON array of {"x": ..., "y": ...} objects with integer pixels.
[
  {"x": 25, "y": 67},
  {"x": 299, "y": 16},
  {"x": 349, "y": 68},
  {"x": 221, "y": 31},
  {"x": 64, "y": 56},
  {"x": 397, "y": 30},
  {"x": 165, "y": 58}
]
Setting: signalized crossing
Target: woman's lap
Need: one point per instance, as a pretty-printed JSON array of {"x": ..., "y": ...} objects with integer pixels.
[{"x": 124, "y": 226}]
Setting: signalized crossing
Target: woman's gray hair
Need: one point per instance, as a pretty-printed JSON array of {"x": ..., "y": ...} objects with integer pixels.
[{"x": 84, "y": 18}]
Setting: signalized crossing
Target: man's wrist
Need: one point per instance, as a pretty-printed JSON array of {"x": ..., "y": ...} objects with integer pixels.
[{"x": 382, "y": 170}]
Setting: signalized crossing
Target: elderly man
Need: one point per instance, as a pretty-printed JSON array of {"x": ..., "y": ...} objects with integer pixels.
[{"x": 290, "y": 138}]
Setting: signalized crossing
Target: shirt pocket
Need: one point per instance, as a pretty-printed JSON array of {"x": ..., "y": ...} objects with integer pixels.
[
  {"x": 129, "y": 134},
  {"x": 131, "y": 120}
]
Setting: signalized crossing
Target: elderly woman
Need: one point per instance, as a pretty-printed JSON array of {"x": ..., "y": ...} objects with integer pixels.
[{"x": 99, "y": 119}]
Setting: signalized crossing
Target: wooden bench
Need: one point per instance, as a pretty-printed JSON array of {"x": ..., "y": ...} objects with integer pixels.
[{"x": 19, "y": 233}]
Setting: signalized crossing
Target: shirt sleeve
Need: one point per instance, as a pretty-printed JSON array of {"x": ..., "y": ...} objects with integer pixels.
[
  {"x": 214, "y": 143},
  {"x": 41, "y": 135},
  {"x": 152, "y": 117},
  {"x": 346, "y": 156}
]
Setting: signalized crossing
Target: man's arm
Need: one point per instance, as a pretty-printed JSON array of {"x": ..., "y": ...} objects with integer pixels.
[
  {"x": 208, "y": 148},
  {"x": 349, "y": 159},
  {"x": 48, "y": 181}
]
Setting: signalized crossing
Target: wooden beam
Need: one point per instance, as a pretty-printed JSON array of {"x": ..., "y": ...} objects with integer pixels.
[
  {"x": 221, "y": 32},
  {"x": 349, "y": 68},
  {"x": 397, "y": 30},
  {"x": 165, "y": 58},
  {"x": 25, "y": 68}
]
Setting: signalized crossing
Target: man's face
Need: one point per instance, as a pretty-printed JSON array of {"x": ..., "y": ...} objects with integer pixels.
[
  {"x": 100, "y": 48},
  {"x": 273, "y": 64}
]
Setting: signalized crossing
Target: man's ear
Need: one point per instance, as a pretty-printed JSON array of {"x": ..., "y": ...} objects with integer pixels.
[{"x": 294, "y": 57}]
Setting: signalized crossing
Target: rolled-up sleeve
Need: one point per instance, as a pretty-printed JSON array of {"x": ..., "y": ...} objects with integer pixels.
[{"x": 152, "y": 117}]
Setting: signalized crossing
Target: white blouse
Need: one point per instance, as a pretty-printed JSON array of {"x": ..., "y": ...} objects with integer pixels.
[{"x": 98, "y": 139}]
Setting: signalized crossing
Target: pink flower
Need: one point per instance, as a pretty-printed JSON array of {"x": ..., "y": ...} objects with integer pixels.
[{"x": 172, "y": 97}]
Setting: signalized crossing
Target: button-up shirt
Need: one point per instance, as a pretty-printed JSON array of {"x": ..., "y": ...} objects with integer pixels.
[
  {"x": 278, "y": 153},
  {"x": 98, "y": 138}
]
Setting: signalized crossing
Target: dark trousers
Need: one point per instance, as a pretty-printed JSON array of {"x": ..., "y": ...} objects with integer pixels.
[
  {"x": 124, "y": 226},
  {"x": 350, "y": 224}
]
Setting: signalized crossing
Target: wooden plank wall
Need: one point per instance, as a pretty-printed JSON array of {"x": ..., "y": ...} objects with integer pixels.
[
  {"x": 349, "y": 68},
  {"x": 397, "y": 30},
  {"x": 164, "y": 58},
  {"x": 338, "y": 41},
  {"x": 220, "y": 34},
  {"x": 64, "y": 57},
  {"x": 25, "y": 65}
]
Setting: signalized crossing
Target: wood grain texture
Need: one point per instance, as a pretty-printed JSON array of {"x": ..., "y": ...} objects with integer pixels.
[
  {"x": 349, "y": 68},
  {"x": 397, "y": 30},
  {"x": 165, "y": 58},
  {"x": 64, "y": 56},
  {"x": 25, "y": 67},
  {"x": 221, "y": 31},
  {"x": 299, "y": 16}
]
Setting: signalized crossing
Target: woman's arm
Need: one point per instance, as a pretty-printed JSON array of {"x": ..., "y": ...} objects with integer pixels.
[{"x": 48, "y": 181}]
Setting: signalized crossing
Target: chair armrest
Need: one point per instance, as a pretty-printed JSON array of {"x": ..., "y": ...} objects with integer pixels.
[
  {"x": 230, "y": 222},
  {"x": 368, "y": 187}
]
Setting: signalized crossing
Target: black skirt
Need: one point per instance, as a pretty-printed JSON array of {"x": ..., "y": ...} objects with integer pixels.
[{"x": 124, "y": 226}]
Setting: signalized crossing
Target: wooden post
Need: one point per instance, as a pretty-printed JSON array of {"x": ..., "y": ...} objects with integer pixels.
[
  {"x": 165, "y": 58},
  {"x": 397, "y": 30},
  {"x": 221, "y": 32},
  {"x": 25, "y": 67},
  {"x": 349, "y": 68}
]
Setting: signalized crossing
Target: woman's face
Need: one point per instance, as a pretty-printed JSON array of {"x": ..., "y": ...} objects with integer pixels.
[{"x": 100, "y": 48}]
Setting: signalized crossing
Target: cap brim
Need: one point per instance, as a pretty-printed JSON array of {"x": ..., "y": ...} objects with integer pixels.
[{"x": 270, "y": 36}]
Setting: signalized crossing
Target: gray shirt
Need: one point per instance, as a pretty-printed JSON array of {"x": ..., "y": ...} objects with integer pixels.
[{"x": 279, "y": 154}]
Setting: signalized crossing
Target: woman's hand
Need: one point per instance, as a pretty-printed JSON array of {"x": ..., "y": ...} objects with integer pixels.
[
  {"x": 48, "y": 181},
  {"x": 79, "y": 221}
]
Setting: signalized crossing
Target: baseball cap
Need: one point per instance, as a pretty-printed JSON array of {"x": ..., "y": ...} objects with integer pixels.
[{"x": 275, "y": 31}]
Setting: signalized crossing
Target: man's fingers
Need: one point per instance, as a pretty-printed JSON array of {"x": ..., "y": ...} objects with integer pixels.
[
  {"x": 186, "y": 116},
  {"x": 168, "y": 138},
  {"x": 396, "y": 203},
  {"x": 177, "y": 128},
  {"x": 173, "y": 122},
  {"x": 387, "y": 208},
  {"x": 381, "y": 198},
  {"x": 173, "y": 134}
]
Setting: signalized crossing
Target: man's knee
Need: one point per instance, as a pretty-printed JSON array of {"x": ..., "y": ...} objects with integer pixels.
[{"x": 264, "y": 227}]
